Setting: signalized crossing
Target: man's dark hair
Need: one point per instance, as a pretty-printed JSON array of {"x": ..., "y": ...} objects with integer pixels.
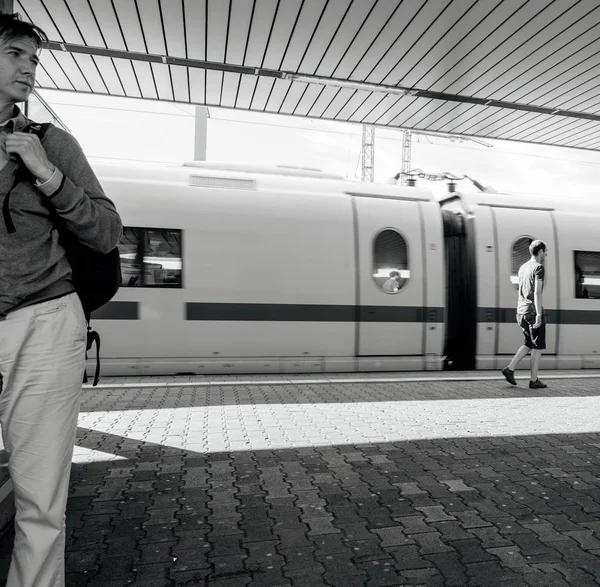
[
  {"x": 12, "y": 27},
  {"x": 536, "y": 246}
]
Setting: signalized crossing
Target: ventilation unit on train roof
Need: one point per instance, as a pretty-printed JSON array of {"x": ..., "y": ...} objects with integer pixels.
[
  {"x": 210, "y": 181},
  {"x": 265, "y": 169}
]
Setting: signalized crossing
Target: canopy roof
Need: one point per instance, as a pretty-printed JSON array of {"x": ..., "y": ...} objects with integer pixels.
[{"x": 500, "y": 69}]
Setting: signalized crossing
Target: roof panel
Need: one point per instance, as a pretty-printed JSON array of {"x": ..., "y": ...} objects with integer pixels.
[
  {"x": 436, "y": 29},
  {"x": 309, "y": 97},
  {"x": 145, "y": 77},
  {"x": 130, "y": 24},
  {"x": 387, "y": 109},
  {"x": 88, "y": 64},
  {"x": 247, "y": 87},
  {"x": 323, "y": 35},
  {"x": 197, "y": 86},
  {"x": 351, "y": 26},
  {"x": 150, "y": 15},
  {"x": 338, "y": 101},
  {"x": 194, "y": 14},
  {"x": 128, "y": 77},
  {"x": 373, "y": 100},
  {"x": 378, "y": 26},
  {"x": 383, "y": 107},
  {"x": 565, "y": 58},
  {"x": 84, "y": 22},
  {"x": 237, "y": 33},
  {"x": 278, "y": 93},
  {"x": 43, "y": 80},
  {"x": 549, "y": 43},
  {"x": 71, "y": 69},
  {"x": 293, "y": 97},
  {"x": 504, "y": 65},
  {"x": 179, "y": 78},
  {"x": 518, "y": 45},
  {"x": 357, "y": 99},
  {"x": 231, "y": 84},
  {"x": 172, "y": 17},
  {"x": 214, "y": 82},
  {"x": 307, "y": 22},
  {"x": 260, "y": 29},
  {"x": 262, "y": 93},
  {"x": 285, "y": 22},
  {"x": 386, "y": 54},
  {"x": 35, "y": 11},
  {"x": 55, "y": 71},
  {"x": 461, "y": 59},
  {"x": 216, "y": 30},
  {"x": 109, "y": 24},
  {"x": 109, "y": 75},
  {"x": 324, "y": 99}
]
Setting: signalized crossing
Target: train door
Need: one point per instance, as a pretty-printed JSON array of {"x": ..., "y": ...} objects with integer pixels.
[
  {"x": 515, "y": 228},
  {"x": 390, "y": 292}
]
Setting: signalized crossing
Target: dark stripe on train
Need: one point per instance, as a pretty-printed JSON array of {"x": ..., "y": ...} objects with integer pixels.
[
  {"x": 509, "y": 315},
  {"x": 118, "y": 311},
  {"x": 330, "y": 313},
  {"x": 310, "y": 313}
]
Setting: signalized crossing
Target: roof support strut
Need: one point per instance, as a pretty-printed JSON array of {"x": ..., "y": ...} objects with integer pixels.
[{"x": 312, "y": 79}]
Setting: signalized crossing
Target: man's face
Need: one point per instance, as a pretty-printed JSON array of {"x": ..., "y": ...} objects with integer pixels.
[{"x": 18, "y": 63}]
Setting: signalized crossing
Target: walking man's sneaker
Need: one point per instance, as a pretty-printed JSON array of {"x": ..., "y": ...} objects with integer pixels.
[
  {"x": 537, "y": 384},
  {"x": 510, "y": 376}
]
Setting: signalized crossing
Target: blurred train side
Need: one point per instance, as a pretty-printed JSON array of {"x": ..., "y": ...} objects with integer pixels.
[{"x": 278, "y": 276}]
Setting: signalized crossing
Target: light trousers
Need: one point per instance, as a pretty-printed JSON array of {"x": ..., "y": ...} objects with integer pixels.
[{"x": 42, "y": 356}]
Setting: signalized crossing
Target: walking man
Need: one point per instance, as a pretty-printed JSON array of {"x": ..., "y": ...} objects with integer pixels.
[
  {"x": 42, "y": 324},
  {"x": 530, "y": 316}
]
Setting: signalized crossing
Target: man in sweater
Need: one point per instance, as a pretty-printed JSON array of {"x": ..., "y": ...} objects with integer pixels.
[{"x": 42, "y": 324}]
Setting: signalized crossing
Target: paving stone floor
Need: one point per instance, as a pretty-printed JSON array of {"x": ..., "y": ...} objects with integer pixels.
[{"x": 432, "y": 483}]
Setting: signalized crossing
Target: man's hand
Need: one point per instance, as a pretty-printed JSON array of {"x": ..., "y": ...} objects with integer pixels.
[
  {"x": 538, "y": 321},
  {"x": 28, "y": 147}
]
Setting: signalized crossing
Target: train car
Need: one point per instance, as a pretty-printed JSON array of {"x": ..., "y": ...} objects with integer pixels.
[
  {"x": 498, "y": 229},
  {"x": 246, "y": 269}
]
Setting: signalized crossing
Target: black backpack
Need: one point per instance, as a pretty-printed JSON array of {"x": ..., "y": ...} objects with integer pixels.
[{"x": 96, "y": 276}]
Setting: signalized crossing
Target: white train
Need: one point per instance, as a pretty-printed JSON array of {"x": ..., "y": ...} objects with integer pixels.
[{"x": 239, "y": 269}]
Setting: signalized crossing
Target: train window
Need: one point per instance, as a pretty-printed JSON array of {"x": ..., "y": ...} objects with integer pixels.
[
  {"x": 519, "y": 255},
  {"x": 587, "y": 275},
  {"x": 151, "y": 257},
  {"x": 390, "y": 261}
]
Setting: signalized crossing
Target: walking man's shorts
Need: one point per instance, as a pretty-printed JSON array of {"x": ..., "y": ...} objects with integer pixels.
[{"x": 535, "y": 338}]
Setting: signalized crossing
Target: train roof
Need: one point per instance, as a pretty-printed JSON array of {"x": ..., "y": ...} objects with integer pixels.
[
  {"x": 469, "y": 201},
  {"x": 252, "y": 177}
]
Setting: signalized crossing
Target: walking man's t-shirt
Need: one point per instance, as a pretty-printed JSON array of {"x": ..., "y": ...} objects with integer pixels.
[{"x": 528, "y": 273}]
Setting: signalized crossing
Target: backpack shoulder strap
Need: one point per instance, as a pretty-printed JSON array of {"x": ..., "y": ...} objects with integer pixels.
[{"x": 39, "y": 129}]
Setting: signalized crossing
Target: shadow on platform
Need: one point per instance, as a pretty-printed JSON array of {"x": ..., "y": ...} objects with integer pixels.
[{"x": 443, "y": 512}]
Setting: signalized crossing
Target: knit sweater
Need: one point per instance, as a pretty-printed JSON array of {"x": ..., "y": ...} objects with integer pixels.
[{"x": 33, "y": 265}]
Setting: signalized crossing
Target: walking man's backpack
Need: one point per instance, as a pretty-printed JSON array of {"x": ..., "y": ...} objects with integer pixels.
[{"x": 96, "y": 276}]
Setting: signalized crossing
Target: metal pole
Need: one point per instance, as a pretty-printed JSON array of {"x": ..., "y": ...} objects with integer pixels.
[
  {"x": 7, "y": 6},
  {"x": 406, "y": 143},
  {"x": 201, "y": 128},
  {"x": 368, "y": 146}
]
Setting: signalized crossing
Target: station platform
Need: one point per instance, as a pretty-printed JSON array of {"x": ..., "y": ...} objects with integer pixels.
[{"x": 431, "y": 479}]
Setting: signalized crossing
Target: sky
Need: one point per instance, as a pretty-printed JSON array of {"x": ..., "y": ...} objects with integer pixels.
[{"x": 132, "y": 129}]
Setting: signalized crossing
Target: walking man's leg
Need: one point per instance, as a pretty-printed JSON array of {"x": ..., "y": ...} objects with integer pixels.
[
  {"x": 519, "y": 356},
  {"x": 38, "y": 412},
  {"x": 536, "y": 355}
]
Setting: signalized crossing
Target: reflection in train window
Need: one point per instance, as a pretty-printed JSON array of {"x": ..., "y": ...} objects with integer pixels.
[
  {"x": 587, "y": 275},
  {"x": 520, "y": 254},
  {"x": 151, "y": 257},
  {"x": 390, "y": 261}
]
